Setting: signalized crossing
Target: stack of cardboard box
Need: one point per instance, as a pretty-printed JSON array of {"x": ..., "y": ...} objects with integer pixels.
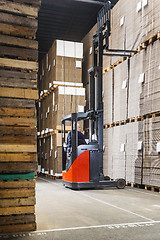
[
  {"x": 61, "y": 93},
  {"x": 131, "y": 93},
  {"x": 135, "y": 99}
]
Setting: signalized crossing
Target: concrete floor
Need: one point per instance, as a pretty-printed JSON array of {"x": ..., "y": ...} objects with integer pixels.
[{"x": 94, "y": 214}]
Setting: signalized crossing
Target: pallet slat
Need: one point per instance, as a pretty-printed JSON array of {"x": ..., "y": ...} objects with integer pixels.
[
  {"x": 18, "y": 93},
  {"x": 7, "y": 121},
  {"x": 8, "y": 193},
  {"x": 18, "y": 202},
  {"x": 13, "y": 167},
  {"x": 18, "y": 157},
  {"x": 18, "y": 8},
  {"x": 17, "y": 219},
  {"x": 14, "y": 139},
  {"x": 19, "y": 64},
  {"x": 21, "y": 42},
  {"x": 20, "y": 83},
  {"x": 17, "y": 112},
  {"x": 16, "y": 210},
  {"x": 18, "y": 20},
  {"x": 17, "y": 30},
  {"x": 23, "y": 131},
  {"x": 18, "y": 228},
  {"x": 17, "y": 148},
  {"x": 19, "y": 52},
  {"x": 17, "y": 184},
  {"x": 31, "y": 2},
  {"x": 11, "y": 74}
]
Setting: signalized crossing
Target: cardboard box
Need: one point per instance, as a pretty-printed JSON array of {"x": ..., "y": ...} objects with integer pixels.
[{"x": 63, "y": 63}]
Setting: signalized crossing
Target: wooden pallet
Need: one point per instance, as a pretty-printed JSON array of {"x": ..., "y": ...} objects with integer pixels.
[
  {"x": 142, "y": 46},
  {"x": 130, "y": 120},
  {"x": 45, "y": 135},
  {"x": 52, "y": 88},
  {"x": 151, "y": 115},
  {"x": 114, "y": 124},
  {"x": 136, "y": 119},
  {"x": 55, "y": 131},
  {"x": 143, "y": 186}
]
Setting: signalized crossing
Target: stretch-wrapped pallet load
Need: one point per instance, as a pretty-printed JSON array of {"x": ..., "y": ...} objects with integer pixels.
[
  {"x": 120, "y": 91},
  {"x": 18, "y": 92},
  {"x": 151, "y": 87},
  {"x": 88, "y": 54},
  {"x": 108, "y": 82},
  {"x": 62, "y": 63},
  {"x": 61, "y": 102},
  {"x": 88, "y": 60},
  {"x": 107, "y": 155},
  {"x": 134, "y": 24},
  {"x": 151, "y": 161},
  {"x": 118, "y": 151},
  {"x": 115, "y": 152},
  {"x": 51, "y": 154},
  {"x": 135, "y": 85},
  {"x": 134, "y": 136},
  {"x": 66, "y": 100},
  {"x": 123, "y": 152},
  {"x": 87, "y": 64},
  {"x": 61, "y": 93}
]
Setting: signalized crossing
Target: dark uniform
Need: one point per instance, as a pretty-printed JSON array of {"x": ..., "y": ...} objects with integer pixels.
[{"x": 81, "y": 139}]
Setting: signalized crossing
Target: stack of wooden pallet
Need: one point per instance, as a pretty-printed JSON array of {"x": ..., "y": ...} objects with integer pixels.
[
  {"x": 61, "y": 93},
  {"x": 18, "y": 92}
]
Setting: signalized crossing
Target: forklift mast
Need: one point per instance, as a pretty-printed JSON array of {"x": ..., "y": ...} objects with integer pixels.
[
  {"x": 100, "y": 42},
  {"x": 100, "y": 48}
]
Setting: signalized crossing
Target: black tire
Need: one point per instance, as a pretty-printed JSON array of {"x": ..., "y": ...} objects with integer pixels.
[{"x": 121, "y": 183}]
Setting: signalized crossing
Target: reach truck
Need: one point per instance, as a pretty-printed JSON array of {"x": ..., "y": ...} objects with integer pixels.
[{"x": 82, "y": 165}]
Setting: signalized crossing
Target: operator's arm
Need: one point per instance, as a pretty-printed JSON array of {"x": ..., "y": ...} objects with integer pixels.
[
  {"x": 69, "y": 140},
  {"x": 81, "y": 137}
]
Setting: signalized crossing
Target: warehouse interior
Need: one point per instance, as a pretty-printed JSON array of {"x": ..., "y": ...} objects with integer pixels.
[{"x": 108, "y": 186}]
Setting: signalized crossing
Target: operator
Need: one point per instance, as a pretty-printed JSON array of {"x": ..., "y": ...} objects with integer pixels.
[{"x": 81, "y": 139}]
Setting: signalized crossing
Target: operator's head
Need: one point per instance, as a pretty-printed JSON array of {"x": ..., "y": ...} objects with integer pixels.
[{"x": 78, "y": 127}]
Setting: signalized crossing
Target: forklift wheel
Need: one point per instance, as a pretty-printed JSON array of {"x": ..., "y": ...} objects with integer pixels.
[{"x": 121, "y": 183}]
